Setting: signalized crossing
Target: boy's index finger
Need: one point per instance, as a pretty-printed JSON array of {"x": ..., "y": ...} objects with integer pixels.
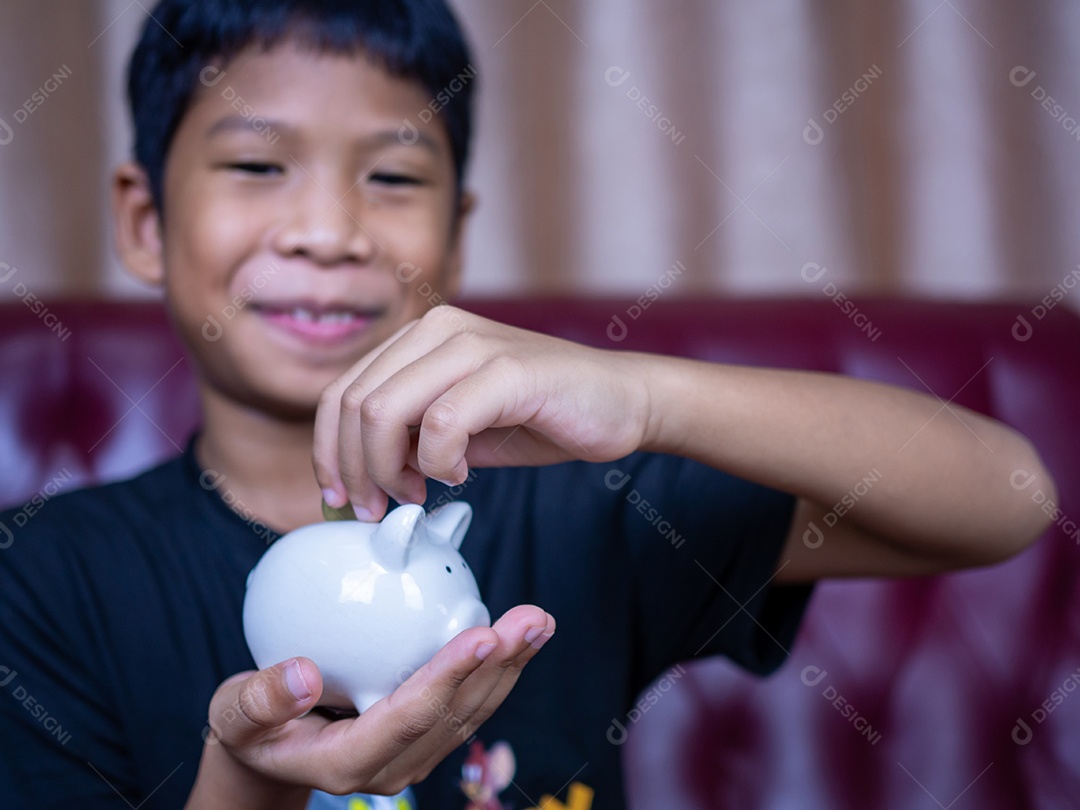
[{"x": 325, "y": 451}]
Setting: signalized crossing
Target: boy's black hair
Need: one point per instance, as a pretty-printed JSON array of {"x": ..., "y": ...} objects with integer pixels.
[{"x": 413, "y": 39}]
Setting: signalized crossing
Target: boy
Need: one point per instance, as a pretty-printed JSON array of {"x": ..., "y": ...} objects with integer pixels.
[{"x": 120, "y": 606}]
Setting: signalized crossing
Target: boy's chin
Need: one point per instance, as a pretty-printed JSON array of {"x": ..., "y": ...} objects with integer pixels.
[
  {"x": 288, "y": 409},
  {"x": 277, "y": 401},
  {"x": 293, "y": 403}
]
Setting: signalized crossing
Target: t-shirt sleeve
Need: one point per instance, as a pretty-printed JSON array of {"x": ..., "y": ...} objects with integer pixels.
[
  {"x": 704, "y": 549},
  {"x": 60, "y": 742}
]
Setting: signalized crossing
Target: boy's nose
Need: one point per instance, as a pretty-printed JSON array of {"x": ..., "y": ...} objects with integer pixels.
[{"x": 326, "y": 229}]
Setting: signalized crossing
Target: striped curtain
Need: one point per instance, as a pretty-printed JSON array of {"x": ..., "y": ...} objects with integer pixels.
[{"x": 919, "y": 147}]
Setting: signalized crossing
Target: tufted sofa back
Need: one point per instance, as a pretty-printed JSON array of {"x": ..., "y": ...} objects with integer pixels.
[{"x": 958, "y": 691}]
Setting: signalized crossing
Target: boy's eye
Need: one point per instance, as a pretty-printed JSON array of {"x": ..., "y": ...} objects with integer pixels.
[
  {"x": 391, "y": 179},
  {"x": 254, "y": 167}
]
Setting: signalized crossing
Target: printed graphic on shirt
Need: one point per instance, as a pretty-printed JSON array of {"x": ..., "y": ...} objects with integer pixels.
[
  {"x": 488, "y": 772},
  {"x": 579, "y": 797},
  {"x": 324, "y": 801}
]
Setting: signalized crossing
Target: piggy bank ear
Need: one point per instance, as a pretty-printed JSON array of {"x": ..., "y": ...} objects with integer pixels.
[
  {"x": 448, "y": 524},
  {"x": 394, "y": 537}
]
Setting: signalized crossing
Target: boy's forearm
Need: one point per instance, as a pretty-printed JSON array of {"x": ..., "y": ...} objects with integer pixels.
[{"x": 935, "y": 479}]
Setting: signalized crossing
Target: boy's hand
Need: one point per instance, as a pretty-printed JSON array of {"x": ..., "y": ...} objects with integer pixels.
[
  {"x": 263, "y": 750},
  {"x": 453, "y": 390}
]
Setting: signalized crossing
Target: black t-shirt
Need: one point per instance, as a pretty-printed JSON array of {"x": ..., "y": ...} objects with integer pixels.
[{"x": 120, "y": 613}]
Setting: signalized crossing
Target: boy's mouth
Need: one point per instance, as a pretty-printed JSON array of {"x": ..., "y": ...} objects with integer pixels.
[{"x": 316, "y": 323}]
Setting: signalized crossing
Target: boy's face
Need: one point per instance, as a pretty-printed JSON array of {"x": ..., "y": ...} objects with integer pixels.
[{"x": 300, "y": 230}]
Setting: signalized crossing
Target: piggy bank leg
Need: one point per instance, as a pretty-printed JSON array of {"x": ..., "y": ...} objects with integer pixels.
[{"x": 365, "y": 700}]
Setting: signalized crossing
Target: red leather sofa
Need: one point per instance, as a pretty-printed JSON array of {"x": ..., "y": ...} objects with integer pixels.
[{"x": 960, "y": 691}]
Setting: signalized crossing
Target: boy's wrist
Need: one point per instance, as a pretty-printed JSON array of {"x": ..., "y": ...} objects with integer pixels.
[
  {"x": 660, "y": 384},
  {"x": 225, "y": 782}
]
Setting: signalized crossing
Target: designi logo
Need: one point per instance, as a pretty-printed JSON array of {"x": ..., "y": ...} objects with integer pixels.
[
  {"x": 1020, "y": 76},
  {"x": 813, "y": 537},
  {"x": 408, "y": 134}
]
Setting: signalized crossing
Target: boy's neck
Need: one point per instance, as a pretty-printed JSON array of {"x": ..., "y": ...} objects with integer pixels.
[{"x": 264, "y": 462}]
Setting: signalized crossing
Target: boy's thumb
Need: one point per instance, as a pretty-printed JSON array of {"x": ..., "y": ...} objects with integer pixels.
[{"x": 247, "y": 705}]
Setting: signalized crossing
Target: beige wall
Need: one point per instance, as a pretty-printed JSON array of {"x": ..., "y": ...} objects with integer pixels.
[{"x": 942, "y": 178}]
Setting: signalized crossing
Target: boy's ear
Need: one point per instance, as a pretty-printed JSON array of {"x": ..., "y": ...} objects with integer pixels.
[
  {"x": 137, "y": 224},
  {"x": 452, "y": 284}
]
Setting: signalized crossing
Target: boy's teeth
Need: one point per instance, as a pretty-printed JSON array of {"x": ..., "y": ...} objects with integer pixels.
[
  {"x": 299, "y": 314},
  {"x": 302, "y": 314},
  {"x": 336, "y": 317}
]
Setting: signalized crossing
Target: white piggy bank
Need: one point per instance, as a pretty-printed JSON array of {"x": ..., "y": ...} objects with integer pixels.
[{"x": 368, "y": 603}]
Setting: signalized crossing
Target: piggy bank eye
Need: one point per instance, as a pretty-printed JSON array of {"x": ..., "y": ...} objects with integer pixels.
[{"x": 448, "y": 570}]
